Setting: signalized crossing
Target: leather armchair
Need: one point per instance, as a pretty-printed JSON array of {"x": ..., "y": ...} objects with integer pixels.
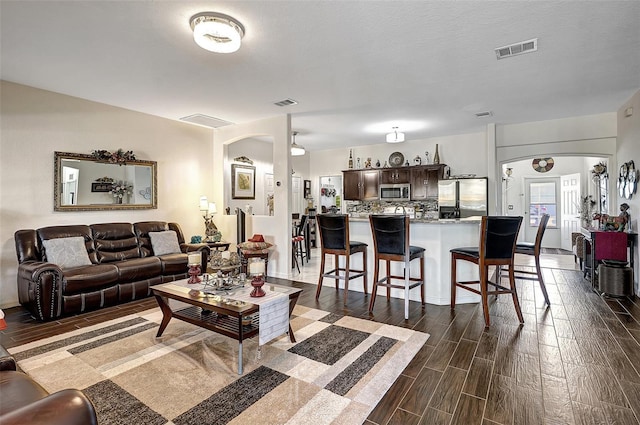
[{"x": 24, "y": 401}]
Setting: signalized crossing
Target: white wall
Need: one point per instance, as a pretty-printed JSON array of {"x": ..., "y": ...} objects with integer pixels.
[
  {"x": 35, "y": 123},
  {"x": 277, "y": 228},
  {"x": 261, "y": 153},
  {"x": 515, "y": 194},
  {"x": 629, "y": 149}
]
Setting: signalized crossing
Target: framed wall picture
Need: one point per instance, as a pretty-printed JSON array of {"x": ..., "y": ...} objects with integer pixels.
[
  {"x": 307, "y": 189},
  {"x": 100, "y": 187},
  {"x": 243, "y": 181}
]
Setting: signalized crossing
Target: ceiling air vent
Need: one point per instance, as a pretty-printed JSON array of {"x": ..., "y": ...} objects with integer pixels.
[
  {"x": 205, "y": 120},
  {"x": 483, "y": 114},
  {"x": 286, "y": 102},
  {"x": 517, "y": 49}
]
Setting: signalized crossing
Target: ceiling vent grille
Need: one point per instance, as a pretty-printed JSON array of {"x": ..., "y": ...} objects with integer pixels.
[
  {"x": 483, "y": 114},
  {"x": 528, "y": 46},
  {"x": 205, "y": 120},
  {"x": 286, "y": 102}
]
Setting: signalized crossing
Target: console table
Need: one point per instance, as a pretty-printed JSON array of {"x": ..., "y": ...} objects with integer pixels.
[{"x": 591, "y": 235}]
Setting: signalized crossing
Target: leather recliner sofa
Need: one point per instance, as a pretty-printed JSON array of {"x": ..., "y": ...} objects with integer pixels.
[
  {"x": 24, "y": 401},
  {"x": 123, "y": 267}
]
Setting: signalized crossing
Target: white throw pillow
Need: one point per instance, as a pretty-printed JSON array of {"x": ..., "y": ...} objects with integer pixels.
[
  {"x": 165, "y": 242},
  {"x": 67, "y": 252}
]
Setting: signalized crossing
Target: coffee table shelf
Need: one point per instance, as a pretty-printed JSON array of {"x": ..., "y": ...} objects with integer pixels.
[{"x": 224, "y": 324}]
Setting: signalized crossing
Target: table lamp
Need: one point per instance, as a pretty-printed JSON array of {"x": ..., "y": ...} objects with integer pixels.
[{"x": 208, "y": 210}]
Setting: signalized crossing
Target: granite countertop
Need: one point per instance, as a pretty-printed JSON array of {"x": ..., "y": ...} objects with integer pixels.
[{"x": 426, "y": 220}]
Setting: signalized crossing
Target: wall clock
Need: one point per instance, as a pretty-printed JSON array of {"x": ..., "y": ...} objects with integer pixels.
[{"x": 542, "y": 165}]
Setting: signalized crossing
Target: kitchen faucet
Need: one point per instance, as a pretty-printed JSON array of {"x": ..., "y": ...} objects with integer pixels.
[{"x": 404, "y": 211}]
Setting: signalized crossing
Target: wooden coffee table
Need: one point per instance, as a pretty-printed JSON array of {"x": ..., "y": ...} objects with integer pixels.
[{"x": 214, "y": 314}]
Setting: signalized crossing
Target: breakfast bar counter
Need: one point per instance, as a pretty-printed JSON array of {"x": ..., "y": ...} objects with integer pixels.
[{"x": 437, "y": 237}]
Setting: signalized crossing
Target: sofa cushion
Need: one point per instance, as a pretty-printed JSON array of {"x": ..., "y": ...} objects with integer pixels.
[
  {"x": 254, "y": 246},
  {"x": 55, "y": 232},
  {"x": 67, "y": 252},
  {"x": 89, "y": 278},
  {"x": 115, "y": 242},
  {"x": 138, "y": 269},
  {"x": 174, "y": 264},
  {"x": 165, "y": 242},
  {"x": 143, "y": 229}
]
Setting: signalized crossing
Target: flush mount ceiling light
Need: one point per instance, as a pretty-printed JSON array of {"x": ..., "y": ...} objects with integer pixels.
[
  {"x": 395, "y": 137},
  {"x": 217, "y": 32},
  {"x": 296, "y": 150}
]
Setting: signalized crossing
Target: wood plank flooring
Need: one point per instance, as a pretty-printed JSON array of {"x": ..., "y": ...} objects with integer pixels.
[{"x": 576, "y": 362}]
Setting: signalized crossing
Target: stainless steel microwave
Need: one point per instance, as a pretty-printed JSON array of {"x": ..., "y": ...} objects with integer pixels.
[{"x": 395, "y": 192}]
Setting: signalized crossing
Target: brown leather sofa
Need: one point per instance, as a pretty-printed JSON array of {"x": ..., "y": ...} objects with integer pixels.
[
  {"x": 24, "y": 401},
  {"x": 123, "y": 267}
]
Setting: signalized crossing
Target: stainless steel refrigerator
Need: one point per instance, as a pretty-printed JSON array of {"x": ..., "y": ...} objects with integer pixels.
[{"x": 463, "y": 198}]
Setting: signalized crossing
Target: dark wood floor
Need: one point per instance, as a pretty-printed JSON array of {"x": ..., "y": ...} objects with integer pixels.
[{"x": 577, "y": 362}]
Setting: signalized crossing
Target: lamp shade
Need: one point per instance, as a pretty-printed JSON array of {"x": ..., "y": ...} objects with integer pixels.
[
  {"x": 216, "y": 32},
  {"x": 204, "y": 205},
  {"x": 212, "y": 208},
  {"x": 395, "y": 137}
]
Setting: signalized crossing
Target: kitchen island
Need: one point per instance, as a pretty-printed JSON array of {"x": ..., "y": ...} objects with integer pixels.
[{"x": 437, "y": 237}]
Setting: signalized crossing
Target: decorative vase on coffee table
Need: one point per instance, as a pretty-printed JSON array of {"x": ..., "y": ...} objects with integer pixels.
[{"x": 257, "y": 283}]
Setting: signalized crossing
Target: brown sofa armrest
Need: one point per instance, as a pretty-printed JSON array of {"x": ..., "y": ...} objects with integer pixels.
[
  {"x": 7, "y": 362},
  {"x": 66, "y": 407},
  {"x": 39, "y": 289}
]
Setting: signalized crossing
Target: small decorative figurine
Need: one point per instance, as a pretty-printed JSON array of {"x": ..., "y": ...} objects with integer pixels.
[
  {"x": 358, "y": 163},
  {"x": 624, "y": 216},
  {"x": 417, "y": 160},
  {"x": 377, "y": 163},
  {"x": 367, "y": 163},
  {"x": 427, "y": 159}
]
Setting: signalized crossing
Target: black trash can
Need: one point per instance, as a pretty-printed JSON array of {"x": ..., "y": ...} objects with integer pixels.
[{"x": 615, "y": 279}]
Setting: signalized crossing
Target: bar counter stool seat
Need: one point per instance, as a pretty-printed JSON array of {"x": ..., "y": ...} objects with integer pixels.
[
  {"x": 497, "y": 248},
  {"x": 391, "y": 243},
  {"x": 334, "y": 240}
]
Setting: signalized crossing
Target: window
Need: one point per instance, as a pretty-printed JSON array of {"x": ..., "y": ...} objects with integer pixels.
[{"x": 542, "y": 200}]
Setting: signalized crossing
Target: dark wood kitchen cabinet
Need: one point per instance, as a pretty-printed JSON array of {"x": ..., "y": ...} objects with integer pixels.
[
  {"x": 360, "y": 185},
  {"x": 395, "y": 175},
  {"x": 424, "y": 181}
]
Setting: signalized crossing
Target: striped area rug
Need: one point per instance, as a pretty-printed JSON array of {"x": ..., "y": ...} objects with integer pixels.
[{"x": 336, "y": 373}]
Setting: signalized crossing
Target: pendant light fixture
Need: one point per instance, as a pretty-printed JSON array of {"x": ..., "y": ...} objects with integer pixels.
[
  {"x": 395, "y": 137},
  {"x": 296, "y": 150},
  {"x": 217, "y": 32}
]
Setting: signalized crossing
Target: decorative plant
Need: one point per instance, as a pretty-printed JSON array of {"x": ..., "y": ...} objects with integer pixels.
[
  {"x": 586, "y": 209},
  {"x": 119, "y": 157},
  {"x": 599, "y": 170},
  {"x": 119, "y": 189}
]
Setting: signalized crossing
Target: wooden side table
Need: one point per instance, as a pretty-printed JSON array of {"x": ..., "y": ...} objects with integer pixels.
[
  {"x": 246, "y": 254},
  {"x": 218, "y": 245}
]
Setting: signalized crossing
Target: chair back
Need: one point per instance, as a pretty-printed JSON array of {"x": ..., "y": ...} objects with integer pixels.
[
  {"x": 334, "y": 231},
  {"x": 498, "y": 236},
  {"x": 301, "y": 228},
  {"x": 541, "y": 228},
  {"x": 390, "y": 234}
]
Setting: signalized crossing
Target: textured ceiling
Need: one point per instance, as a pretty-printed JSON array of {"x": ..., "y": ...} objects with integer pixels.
[{"x": 357, "y": 68}]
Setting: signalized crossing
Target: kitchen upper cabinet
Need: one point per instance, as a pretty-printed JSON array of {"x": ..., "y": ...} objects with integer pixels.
[
  {"x": 424, "y": 181},
  {"x": 395, "y": 175},
  {"x": 361, "y": 185}
]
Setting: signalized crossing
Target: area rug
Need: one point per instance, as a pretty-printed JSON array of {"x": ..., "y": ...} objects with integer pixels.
[{"x": 336, "y": 373}]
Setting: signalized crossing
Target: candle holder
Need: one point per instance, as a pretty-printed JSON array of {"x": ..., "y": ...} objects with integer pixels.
[
  {"x": 194, "y": 272},
  {"x": 257, "y": 282}
]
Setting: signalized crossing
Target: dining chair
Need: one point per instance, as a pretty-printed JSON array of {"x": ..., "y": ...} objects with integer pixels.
[
  {"x": 497, "y": 247},
  {"x": 391, "y": 243},
  {"x": 334, "y": 240}
]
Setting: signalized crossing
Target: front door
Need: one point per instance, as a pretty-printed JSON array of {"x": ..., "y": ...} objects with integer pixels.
[
  {"x": 569, "y": 216},
  {"x": 541, "y": 197}
]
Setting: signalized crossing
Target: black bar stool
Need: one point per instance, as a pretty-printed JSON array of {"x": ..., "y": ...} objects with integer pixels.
[
  {"x": 497, "y": 248},
  {"x": 334, "y": 240},
  {"x": 528, "y": 248},
  {"x": 391, "y": 243}
]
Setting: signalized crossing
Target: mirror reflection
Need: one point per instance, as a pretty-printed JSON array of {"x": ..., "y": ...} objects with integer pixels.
[{"x": 81, "y": 182}]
